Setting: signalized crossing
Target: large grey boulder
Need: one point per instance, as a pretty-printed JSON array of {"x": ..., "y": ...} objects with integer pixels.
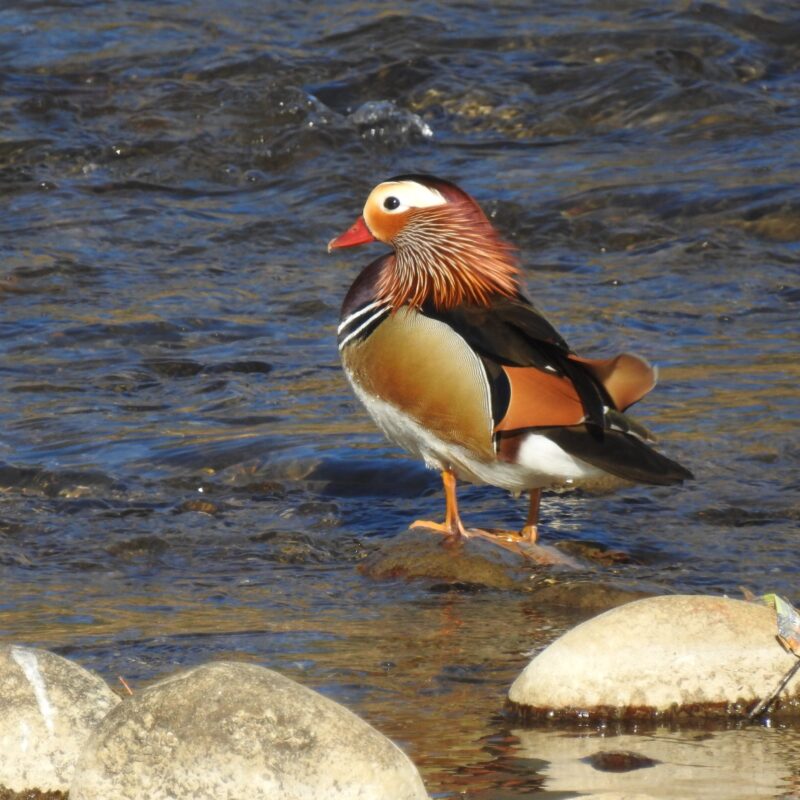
[
  {"x": 231, "y": 731},
  {"x": 675, "y": 653},
  {"x": 48, "y": 708}
]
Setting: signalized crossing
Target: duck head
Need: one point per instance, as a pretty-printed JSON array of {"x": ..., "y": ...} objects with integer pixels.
[{"x": 445, "y": 249}]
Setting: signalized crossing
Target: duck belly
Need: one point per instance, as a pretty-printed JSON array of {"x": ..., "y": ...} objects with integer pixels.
[{"x": 540, "y": 463}]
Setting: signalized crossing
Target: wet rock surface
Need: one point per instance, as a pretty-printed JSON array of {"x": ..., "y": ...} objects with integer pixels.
[
  {"x": 48, "y": 708},
  {"x": 422, "y": 555},
  {"x": 31, "y": 794},
  {"x": 477, "y": 564},
  {"x": 233, "y": 730},
  {"x": 671, "y": 655},
  {"x": 583, "y": 596}
]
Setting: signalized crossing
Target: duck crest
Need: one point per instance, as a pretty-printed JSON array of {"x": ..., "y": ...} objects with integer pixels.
[{"x": 449, "y": 255}]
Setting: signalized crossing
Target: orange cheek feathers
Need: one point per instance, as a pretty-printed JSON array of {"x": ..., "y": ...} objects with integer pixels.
[{"x": 384, "y": 226}]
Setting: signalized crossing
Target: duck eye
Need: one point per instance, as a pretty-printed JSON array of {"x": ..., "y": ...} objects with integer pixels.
[{"x": 391, "y": 203}]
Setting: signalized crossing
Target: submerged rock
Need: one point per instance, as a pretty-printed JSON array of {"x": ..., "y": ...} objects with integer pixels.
[
  {"x": 423, "y": 555},
  {"x": 48, "y": 708},
  {"x": 481, "y": 564},
  {"x": 678, "y": 654},
  {"x": 583, "y": 597},
  {"x": 231, "y": 730},
  {"x": 619, "y": 761}
]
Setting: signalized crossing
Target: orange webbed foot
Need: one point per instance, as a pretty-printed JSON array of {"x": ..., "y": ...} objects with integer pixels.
[
  {"x": 523, "y": 543},
  {"x": 454, "y": 529}
]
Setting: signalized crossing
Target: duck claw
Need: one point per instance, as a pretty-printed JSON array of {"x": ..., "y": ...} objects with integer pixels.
[{"x": 518, "y": 543}]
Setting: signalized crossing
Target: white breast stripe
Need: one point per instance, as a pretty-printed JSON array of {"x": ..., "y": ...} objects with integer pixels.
[
  {"x": 355, "y": 315},
  {"x": 363, "y": 325},
  {"x": 490, "y": 416}
]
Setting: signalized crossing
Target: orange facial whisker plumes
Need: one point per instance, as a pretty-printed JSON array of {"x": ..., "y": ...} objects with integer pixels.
[{"x": 449, "y": 254}]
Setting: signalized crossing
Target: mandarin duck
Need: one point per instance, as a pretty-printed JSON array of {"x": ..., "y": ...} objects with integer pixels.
[{"x": 454, "y": 363}]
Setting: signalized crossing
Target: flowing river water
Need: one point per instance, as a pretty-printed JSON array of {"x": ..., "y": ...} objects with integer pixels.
[{"x": 184, "y": 473}]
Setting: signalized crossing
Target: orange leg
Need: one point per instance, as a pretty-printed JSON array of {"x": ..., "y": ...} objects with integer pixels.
[
  {"x": 530, "y": 532},
  {"x": 452, "y": 525},
  {"x": 522, "y": 543}
]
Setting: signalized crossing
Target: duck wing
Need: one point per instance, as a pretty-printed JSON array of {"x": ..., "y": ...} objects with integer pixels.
[
  {"x": 534, "y": 379},
  {"x": 538, "y": 383}
]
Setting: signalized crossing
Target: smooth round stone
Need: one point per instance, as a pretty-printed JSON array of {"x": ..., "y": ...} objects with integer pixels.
[
  {"x": 48, "y": 708},
  {"x": 232, "y": 731},
  {"x": 676, "y": 653}
]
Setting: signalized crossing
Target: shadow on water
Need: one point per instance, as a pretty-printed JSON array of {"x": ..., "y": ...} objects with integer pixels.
[{"x": 185, "y": 475}]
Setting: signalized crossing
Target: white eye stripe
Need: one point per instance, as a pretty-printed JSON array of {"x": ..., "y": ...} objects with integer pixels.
[{"x": 410, "y": 194}]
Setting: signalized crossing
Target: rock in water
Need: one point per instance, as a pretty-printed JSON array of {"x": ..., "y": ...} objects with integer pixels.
[
  {"x": 231, "y": 731},
  {"x": 48, "y": 708},
  {"x": 686, "y": 654}
]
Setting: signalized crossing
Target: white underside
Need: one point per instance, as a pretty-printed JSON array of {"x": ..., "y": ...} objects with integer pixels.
[{"x": 541, "y": 463}]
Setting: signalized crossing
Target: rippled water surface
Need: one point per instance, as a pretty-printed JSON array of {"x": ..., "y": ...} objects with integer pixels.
[{"x": 185, "y": 475}]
